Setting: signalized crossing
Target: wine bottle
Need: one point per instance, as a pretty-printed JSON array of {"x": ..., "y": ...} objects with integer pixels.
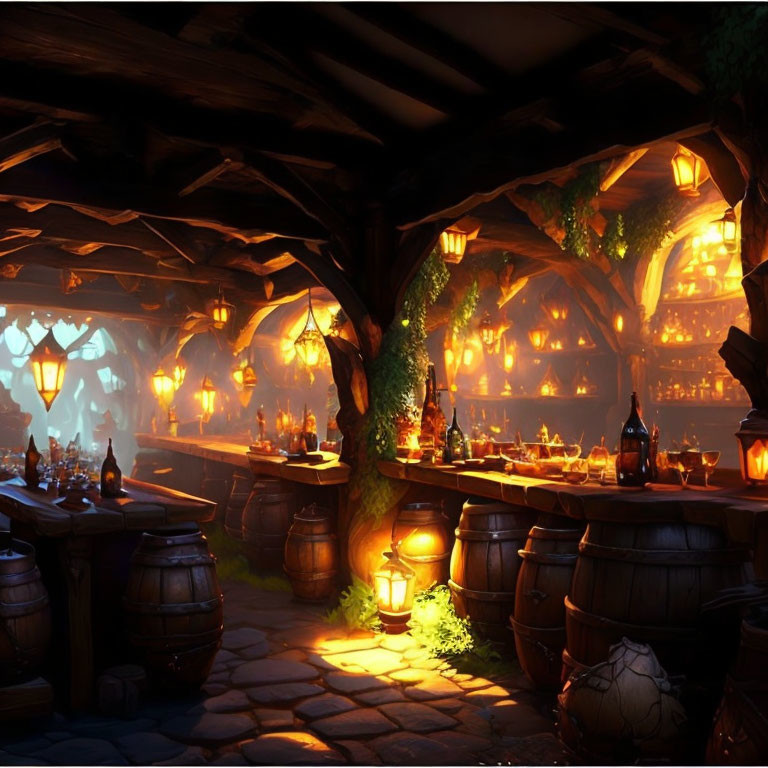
[
  {"x": 31, "y": 460},
  {"x": 454, "y": 442},
  {"x": 633, "y": 467},
  {"x": 111, "y": 476},
  {"x": 428, "y": 411}
]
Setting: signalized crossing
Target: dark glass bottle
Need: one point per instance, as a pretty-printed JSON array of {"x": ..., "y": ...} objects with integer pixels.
[
  {"x": 455, "y": 448},
  {"x": 633, "y": 466},
  {"x": 111, "y": 476},
  {"x": 31, "y": 460},
  {"x": 427, "y": 434}
]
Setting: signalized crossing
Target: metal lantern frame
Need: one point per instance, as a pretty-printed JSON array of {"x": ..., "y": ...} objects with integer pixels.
[
  {"x": 394, "y": 585},
  {"x": 688, "y": 170},
  {"x": 221, "y": 310},
  {"x": 753, "y": 455},
  {"x": 49, "y": 364},
  {"x": 309, "y": 344}
]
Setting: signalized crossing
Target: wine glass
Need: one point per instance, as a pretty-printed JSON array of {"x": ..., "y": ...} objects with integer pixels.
[
  {"x": 709, "y": 461},
  {"x": 684, "y": 462}
]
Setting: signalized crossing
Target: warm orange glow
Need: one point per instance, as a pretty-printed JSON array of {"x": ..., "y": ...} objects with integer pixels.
[
  {"x": 179, "y": 373},
  {"x": 581, "y": 389},
  {"x": 487, "y": 332},
  {"x": 309, "y": 344},
  {"x": 221, "y": 311},
  {"x": 757, "y": 460},
  {"x": 687, "y": 170},
  {"x": 49, "y": 362},
  {"x": 538, "y": 338},
  {"x": 556, "y": 345},
  {"x": 207, "y": 398},
  {"x": 509, "y": 361},
  {"x": 728, "y": 227},
  {"x": 393, "y": 586},
  {"x": 618, "y": 322},
  {"x": 468, "y": 356},
  {"x": 162, "y": 386},
  {"x": 452, "y": 245}
]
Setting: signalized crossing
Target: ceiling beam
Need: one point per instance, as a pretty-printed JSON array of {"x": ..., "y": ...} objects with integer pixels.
[{"x": 29, "y": 142}]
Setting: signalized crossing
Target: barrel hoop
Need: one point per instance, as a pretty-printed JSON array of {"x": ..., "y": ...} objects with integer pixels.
[
  {"x": 179, "y": 641},
  {"x": 159, "y": 541},
  {"x": 312, "y": 536},
  {"x": 16, "y": 610},
  {"x": 19, "y": 579},
  {"x": 309, "y": 575},
  {"x": 425, "y": 558},
  {"x": 548, "y": 558},
  {"x": 180, "y": 561},
  {"x": 464, "y": 535},
  {"x": 714, "y": 557},
  {"x": 525, "y": 629},
  {"x": 173, "y": 609},
  {"x": 555, "y": 534},
  {"x": 630, "y": 630},
  {"x": 486, "y": 597}
]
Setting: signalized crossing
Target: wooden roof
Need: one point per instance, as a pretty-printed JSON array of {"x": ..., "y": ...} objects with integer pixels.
[{"x": 223, "y": 143}]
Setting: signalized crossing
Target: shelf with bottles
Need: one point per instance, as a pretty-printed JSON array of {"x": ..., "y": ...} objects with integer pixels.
[
  {"x": 713, "y": 389},
  {"x": 677, "y": 327}
]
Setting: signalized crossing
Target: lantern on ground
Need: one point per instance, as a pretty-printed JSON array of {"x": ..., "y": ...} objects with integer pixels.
[
  {"x": 162, "y": 386},
  {"x": 728, "y": 227},
  {"x": 49, "y": 362},
  {"x": 309, "y": 344},
  {"x": 221, "y": 311},
  {"x": 207, "y": 398},
  {"x": 179, "y": 372},
  {"x": 687, "y": 170},
  {"x": 453, "y": 243},
  {"x": 753, "y": 449},
  {"x": 393, "y": 585}
]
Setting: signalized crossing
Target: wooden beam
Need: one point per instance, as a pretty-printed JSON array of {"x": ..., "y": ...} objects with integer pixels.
[
  {"x": 217, "y": 209},
  {"x": 23, "y": 145}
]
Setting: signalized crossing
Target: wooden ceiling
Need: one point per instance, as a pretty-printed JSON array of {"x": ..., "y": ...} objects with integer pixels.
[{"x": 253, "y": 144}]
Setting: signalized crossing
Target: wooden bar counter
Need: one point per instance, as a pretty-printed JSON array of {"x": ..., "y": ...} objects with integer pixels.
[
  {"x": 34, "y": 516},
  {"x": 742, "y": 512}
]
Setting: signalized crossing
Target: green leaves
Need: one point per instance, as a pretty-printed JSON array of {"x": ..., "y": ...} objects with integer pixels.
[
  {"x": 576, "y": 209},
  {"x": 462, "y": 313},
  {"x": 435, "y": 625},
  {"x": 357, "y": 607}
]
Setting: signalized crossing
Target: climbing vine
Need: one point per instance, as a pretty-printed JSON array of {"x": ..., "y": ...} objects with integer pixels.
[
  {"x": 576, "y": 209},
  {"x": 648, "y": 223},
  {"x": 613, "y": 243},
  {"x": 465, "y": 308}
]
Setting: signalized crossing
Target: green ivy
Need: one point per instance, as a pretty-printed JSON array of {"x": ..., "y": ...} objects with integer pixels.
[
  {"x": 462, "y": 313},
  {"x": 576, "y": 209},
  {"x": 436, "y": 626},
  {"x": 357, "y": 607},
  {"x": 648, "y": 223},
  {"x": 613, "y": 243}
]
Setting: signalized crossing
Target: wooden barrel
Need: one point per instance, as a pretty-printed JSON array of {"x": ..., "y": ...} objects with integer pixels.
[
  {"x": 740, "y": 732},
  {"x": 242, "y": 485},
  {"x": 484, "y": 563},
  {"x": 174, "y": 606},
  {"x": 425, "y": 544},
  {"x": 647, "y": 582},
  {"x": 311, "y": 554},
  {"x": 543, "y": 582},
  {"x": 25, "y": 619},
  {"x": 216, "y": 484},
  {"x": 267, "y": 516}
]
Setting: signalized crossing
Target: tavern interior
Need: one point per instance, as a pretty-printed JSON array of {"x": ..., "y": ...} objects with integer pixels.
[{"x": 259, "y": 257}]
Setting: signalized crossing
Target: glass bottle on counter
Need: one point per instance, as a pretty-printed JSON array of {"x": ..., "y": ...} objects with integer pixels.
[
  {"x": 428, "y": 433},
  {"x": 111, "y": 476},
  {"x": 633, "y": 467},
  {"x": 31, "y": 460},
  {"x": 455, "y": 448}
]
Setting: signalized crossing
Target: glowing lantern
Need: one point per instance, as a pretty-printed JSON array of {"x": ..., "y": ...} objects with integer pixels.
[
  {"x": 687, "y": 169},
  {"x": 207, "y": 398},
  {"x": 509, "y": 356},
  {"x": 467, "y": 357},
  {"x": 753, "y": 451},
  {"x": 309, "y": 344},
  {"x": 728, "y": 227},
  {"x": 549, "y": 385},
  {"x": 393, "y": 585},
  {"x": 555, "y": 307},
  {"x": 221, "y": 311},
  {"x": 245, "y": 377},
  {"x": 487, "y": 332},
  {"x": 538, "y": 338},
  {"x": 452, "y": 245},
  {"x": 179, "y": 372},
  {"x": 162, "y": 385},
  {"x": 618, "y": 322},
  {"x": 49, "y": 362}
]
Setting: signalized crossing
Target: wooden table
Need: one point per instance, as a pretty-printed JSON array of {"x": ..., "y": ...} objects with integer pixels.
[
  {"x": 211, "y": 448},
  {"x": 145, "y": 507},
  {"x": 330, "y": 471},
  {"x": 740, "y": 511}
]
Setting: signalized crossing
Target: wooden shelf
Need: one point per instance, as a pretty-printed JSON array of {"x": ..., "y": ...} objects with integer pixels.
[
  {"x": 700, "y": 404},
  {"x": 531, "y": 398}
]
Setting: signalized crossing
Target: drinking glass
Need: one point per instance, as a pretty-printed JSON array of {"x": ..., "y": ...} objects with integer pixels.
[
  {"x": 684, "y": 462},
  {"x": 709, "y": 461}
]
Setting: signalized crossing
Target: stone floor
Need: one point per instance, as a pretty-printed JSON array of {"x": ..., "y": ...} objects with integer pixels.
[{"x": 289, "y": 689}]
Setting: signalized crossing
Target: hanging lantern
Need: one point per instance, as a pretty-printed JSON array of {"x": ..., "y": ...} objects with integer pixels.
[
  {"x": 221, "y": 311},
  {"x": 618, "y": 322},
  {"x": 453, "y": 243},
  {"x": 538, "y": 338},
  {"x": 162, "y": 385},
  {"x": 309, "y": 343},
  {"x": 753, "y": 449},
  {"x": 394, "y": 586},
  {"x": 49, "y": 362},
  {"x": 179, "y": 372},
  {"x": 687, "y": 170},
  {"x": 207, "y": 399},
  {"x": 728, "y": 227},
  {"x": 487, "y": 333}
]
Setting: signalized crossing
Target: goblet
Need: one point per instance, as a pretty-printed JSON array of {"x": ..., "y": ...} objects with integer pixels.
[
  {"x": 684, "y": 462},
  {"x": 709, "y": 461}
]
